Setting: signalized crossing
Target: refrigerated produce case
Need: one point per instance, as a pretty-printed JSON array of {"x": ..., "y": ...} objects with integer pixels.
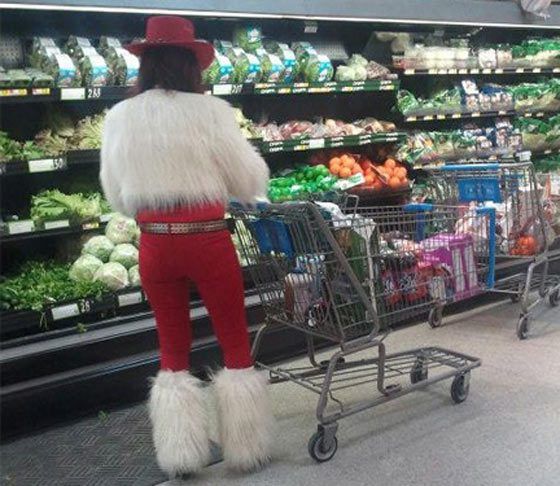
[{"x": 345, "y": 113}]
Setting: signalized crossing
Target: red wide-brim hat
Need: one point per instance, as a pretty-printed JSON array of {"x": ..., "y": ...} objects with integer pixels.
[{"x": 167, "y": 30}]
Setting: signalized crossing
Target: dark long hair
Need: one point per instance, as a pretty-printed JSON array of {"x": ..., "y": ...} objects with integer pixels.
[{"x": 169, "y": 68}]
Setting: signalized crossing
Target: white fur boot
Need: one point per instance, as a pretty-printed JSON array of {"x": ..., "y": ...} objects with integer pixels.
[
  {"x": 246, "y": 421},
  {"x": 180, "y": 422}
]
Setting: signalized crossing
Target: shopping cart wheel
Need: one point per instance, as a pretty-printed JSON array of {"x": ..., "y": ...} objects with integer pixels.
[
  {"x": 436, "y": 317},
  {"x": 554, "y": 298},
  {"x": 523, "y": 327},
  {"x": 460, "y": 387},
  {"x": 419, "y": 371},
  {"x": 317, "y": 449}
]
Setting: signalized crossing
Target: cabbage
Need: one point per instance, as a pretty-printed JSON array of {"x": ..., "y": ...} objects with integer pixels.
[
  {"x": 248, "y": 38},
  {"x": 318, "y": 69},
  {"x": 134, "y": 276},
  {"x": 345, "y": 73},
  {"x": 360, "y": 72},
  {"x": 99, "y": 246},
  {"x": 113, "y": 275},
  {"x": 357, "y": 60},
  {"x": 126, "y": 254},
  {"x": 121, "y": 229},
  {"x": 84, "y": 268}
]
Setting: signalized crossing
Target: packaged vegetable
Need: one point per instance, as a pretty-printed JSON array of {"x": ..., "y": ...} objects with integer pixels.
[
  {"x": 121, "y": 229},
  {"x": 108, "y": 43},
  {"x": 246, "y": 68},
  {"x": 272, "y": 68},
  {"x": 318, "y": 69},
  {"x": 249, "y": 38},
  {"x": 134, "y": 276},
  {"x": 100, "y": 247},
  {"x": 126, "y": 254},
  {"x": 84, "y": 268},
  {"x": 303, "y": 51},
  {"x": 220, "y": 71},
  {"x": 94, "y": 70},
  {"x": 123, "y": 66},
  {"x": 288, "y": 58},
  {"x": 113, "y": 275}
]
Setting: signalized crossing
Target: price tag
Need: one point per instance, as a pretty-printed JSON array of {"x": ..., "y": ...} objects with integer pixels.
[
  {"x": 502, "y": 112},
  {"x": 432, "y": 71},
  {"x": 537, "y": 70},
  {"x": 13, "y": 92},
  {"x": 221, "y": 89},
  {"x": 93, "y": 93},
  {"x": 556, "y": 70},
  {"x": 440, "y": 117},
  {"x": 316, "y": 143},
  {"x": 131, "y": 298},
  {"x": 520, "y": 70},
  {"x": 72, "y": 94},
  {"x": 90, "y": 226},
  {"x": 456, "y": 115},
  {"x": 499, "y": 71},
  {"x": 442, "y": 71},
  {"x": 452, "y": 71},
  {"x": 411, "y": 118},
  {"x": 540, "y": 114},
  {"x": 299, "y": 148},
  {"x": 475, "y": 71},
  {"x": 18, "y": 227},
  {"x": 63, "y": 223},
  {"x": 486, "y": 71},
  {"x": 41, "y": 91},
  {"x": 475, "y": 114},
  {"x": 65, "y": 311},
  {"x": 409, "y": 72},
  {"x": 463, "y": 71},
  {"x": 429, "y": 117},
  {"x": 46, "y": 165},
  {"x": 547, "y": 152}
]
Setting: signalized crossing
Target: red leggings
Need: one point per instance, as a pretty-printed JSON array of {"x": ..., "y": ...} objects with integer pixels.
[{"x": 168, "y": 266}]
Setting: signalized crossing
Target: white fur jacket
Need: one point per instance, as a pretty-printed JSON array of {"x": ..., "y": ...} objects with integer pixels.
[{"x": 162, "y": 149}]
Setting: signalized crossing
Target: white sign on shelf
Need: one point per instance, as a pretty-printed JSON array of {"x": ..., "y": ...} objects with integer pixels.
[
  {"x": 63, "y": 223},
  {"x": 65, "y": 311},
  {"x": 45, "y": 165},
  {"x": 131, "y": 298},
  {"x": 18, "y": 227},
  {"x": 72, "y": 94},
  {"x": 316, "y": 143}
]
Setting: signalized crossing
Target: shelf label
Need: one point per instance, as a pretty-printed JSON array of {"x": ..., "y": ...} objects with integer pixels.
[
  {"x": 540, "y": 114},
  {"x": 41, "y": 91},
  {"x": 440, "y": 117},
  {"x": 475, "y": 71},
  {"x": 537, "y": 70},
  {"x": 18, "y": 227},
  {"x": 90, "y": 226},
  {"x": 556, "y": 70},
  {"x": 452, "y": 71},
  {"x": 65, "y": 311},
  {"x": 93, "y": 93},
  {"x": 71, "y": 94},
  {"x": 412, "y": 118},
  {"x": 409, "y": 72},
  {"x": 13, "y": 92},
  {"x": 442, "y": 71},
  {"x": 475, "y": 114},
  {"x": 46, "y": 165},
  {"x": 227, "y": 89},
  {"x": 502, "y": 112},
  {"x": 63, "y": 223},
  {"x": 456, "y": 115},
  {"x": 316, "y": 143},
  {"x": 499, "y": 71},
  {"x": 432, "y": 71},
  {"x": 520, "y": 70},
  {"x": 463, "y": 71},
  {"x": 131, "y": 298},
  {"x": 429, "y": 117},
  {"x": 486, "y": 71}
]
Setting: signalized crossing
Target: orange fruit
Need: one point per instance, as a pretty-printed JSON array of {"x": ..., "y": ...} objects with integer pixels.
[
  {"x": 390, "y": 164},
  {"x": 369, "y": 180},
  {"x": 356, "y": 169},
  {"x": 394, "y": 183},
  {"x": 348, "y": 162},
  {"x": 377, "y": 185},
  {"x": 400, "y": 172},
  {"x": 344, "y": 172},
  {"x": 334, "y": 161},
  {"x": 404, "y": 182},
  {"x": 335, "y": 169}
]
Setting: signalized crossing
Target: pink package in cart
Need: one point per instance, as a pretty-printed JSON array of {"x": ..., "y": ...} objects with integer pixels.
[{"x": 455, "y": 253}]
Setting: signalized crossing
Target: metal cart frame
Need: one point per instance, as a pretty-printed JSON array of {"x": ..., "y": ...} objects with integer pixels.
[{"x": 272, "y": 239}]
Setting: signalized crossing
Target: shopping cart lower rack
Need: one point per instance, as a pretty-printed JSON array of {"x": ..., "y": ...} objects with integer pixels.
[{"x": 346, "y": 278}]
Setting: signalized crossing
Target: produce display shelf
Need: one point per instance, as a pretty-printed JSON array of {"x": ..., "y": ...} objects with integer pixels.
[
  {"x": 109, "y": 303},
  {"x": 475, "y": 114},
  {"x": 25, "y": 229},
  {"x": 464, "y": 71},
  {"x": 334, "y": 142},
  {"x": 23, "y": 95}
]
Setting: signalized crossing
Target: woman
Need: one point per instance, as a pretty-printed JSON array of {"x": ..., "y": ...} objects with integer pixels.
[{"x": 172, "y": 158}]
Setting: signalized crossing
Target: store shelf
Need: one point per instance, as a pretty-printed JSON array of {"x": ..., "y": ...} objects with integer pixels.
[
  {"x": 73, "y": 158},
  {"x": 30, "y": 95},
  {"x": 474, "y": 71},
  {"x": 476, "y": 114},
  {"x": 334, "y": 142},
  {"x": 25, "y": 229}
]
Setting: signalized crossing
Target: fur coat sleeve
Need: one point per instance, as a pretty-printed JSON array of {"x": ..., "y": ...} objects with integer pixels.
[{"x": 163, "y": 149}]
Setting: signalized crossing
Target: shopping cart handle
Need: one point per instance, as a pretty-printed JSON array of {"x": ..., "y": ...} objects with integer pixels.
[
  {"x": 468, "y": 167},
  {"x": 418, "y": 207}
]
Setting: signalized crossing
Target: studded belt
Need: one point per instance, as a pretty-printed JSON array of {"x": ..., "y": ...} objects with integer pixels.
[{"x": 185, "y": 228}]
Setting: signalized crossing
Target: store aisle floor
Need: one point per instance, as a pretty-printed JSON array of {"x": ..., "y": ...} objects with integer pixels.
[{"x": 506, "y": 433}]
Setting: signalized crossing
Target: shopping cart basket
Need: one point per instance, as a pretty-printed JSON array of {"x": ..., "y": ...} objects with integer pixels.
[
  {"x": 522, "y": 237},
  {"x": 347, "y": 278}
]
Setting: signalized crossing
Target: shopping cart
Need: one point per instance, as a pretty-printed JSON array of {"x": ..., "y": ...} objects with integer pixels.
[
  {"x": 523, "y": 236},
  {"x": 345, "y": 278}
]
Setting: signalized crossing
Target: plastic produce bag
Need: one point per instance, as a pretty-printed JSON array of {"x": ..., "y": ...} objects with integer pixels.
[
  {"x": 126, "y": 254},
  {"x": 121, "y": 229},
  {"x": 272, "y": 67},
  {"x": 248, "y": 38},
  {"x": 220, "y": 71},
  {"x": 113, "y": 275},
  {"x": 100, "y": 247},
  {"x": 318, "y": 69},
  {"x": 85, "y": 268}
]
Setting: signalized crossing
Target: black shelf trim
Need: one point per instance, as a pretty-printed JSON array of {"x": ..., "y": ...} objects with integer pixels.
[{"x": 471, "y": 71}]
